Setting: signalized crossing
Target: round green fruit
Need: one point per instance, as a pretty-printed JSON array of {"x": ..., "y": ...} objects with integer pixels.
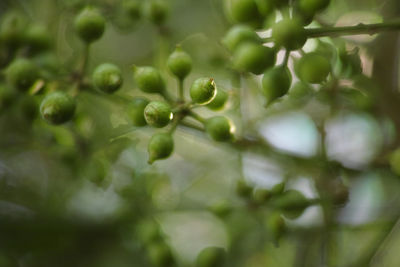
[
  {"x": 275, "y": 225},
  {"x": 239, "y": 34},
  {"x": 156, "y": 11},
  {"x": 38, "y": 39},
  {"x": 203, "y": 90},
  {"x": 158, "y": 114},
  {"x": 242, "y": 11},
  {"x": 148, "y": 79},
  {"x": 22, "y": 73},
  {"x": 161, "y": 146},
  {"x": 57, "y": 107},
  {"x": 133, "y": 8},
  {"x": 276, "y": 83},
  {"x": 255, "y": 58},
  {"x": 107, "y": 77},
  {"x": 311, "y": 7},
  {"x": 179, "y": 63},
  {"x": 219, "y": 100},
  {"x": 90, "y": 24},
  {"x": 313, "y": 68},
  {"x": 136, "y": 111},
  {"x": 300, "y": 89},
  {"x": 265, "y": 7},
  {"x": 289, "y": 33},
  {"x": 292, "y": 203},
  {"x": 211, "y": 257},
  {"x": 219, "y": 128},
  {"x": 261, "y": 196}
]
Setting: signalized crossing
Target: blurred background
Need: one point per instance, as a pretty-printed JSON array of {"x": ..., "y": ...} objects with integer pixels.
[{"x": 82, "y": 194}]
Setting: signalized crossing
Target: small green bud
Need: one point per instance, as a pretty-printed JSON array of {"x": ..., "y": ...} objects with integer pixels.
[
  {"x": 160, "y": 255},
  {"x": 220, "y": 208},
  {"x": 240, "y": 34},
  {"x": 161, "y": 146},
  {"x": 90, "y": 24},
  {"x": 158, "y": 114},
  {"x": 156, "y": 11},
  {"x": 107, "y": 78},
  {"x": 219, "y": 128},
  {"x": 278, "y": 188},
  {"x": 261, "y": 196},
  {"x": 219, "y": 100},
  {"x": 57, "y": 107},
  {"x": 292, "y": 203},
  {"x": 136, "y": 111},
  {"x": 276, "y": 226},
  {"x": 38, "y": 39},
  {"x": 21, "y": 74},
  {"x": 242, "y": 11},
  {"x": 255, "y": 58},
  {"x": 179, "y": 63},
  {"x": 211, "y": 257},
  {"x": 243, "y": 189},
  {"x": 203, "y": 90},
  {"x": 276, "y": 83},
  {"x": 313, "y": 68},
  {"x": 289, "y": 33},
  {"x": 148, "y": 79}
]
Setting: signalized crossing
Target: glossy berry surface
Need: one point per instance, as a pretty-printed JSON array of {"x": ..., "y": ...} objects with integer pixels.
[
  {"x": 240, "y": 34},
  {"x": 136, "y": 111},
  {"x": 148, "y": 79},
  {"x": 179, "y": 63},
  {"x": 211, "y": 257},
  {"x": 57, "y": 107},
  {"x": 313, "y": 68},
  {"x": 219, "y": 101},
  {"x": 203, "y": 90},
  {"x": 22, "y": 73},
  {"x": 107, "y": 77},
  {"x": 276, "y": 83},
  {"x": 255, "y": 58},
  {"x": 219, "y": 128},
  {"x": 158, "y": 114},
  {"x": 161, "y": 146},
  {"x": 289, "y": 33},
  {"x": 89, "y": 24}
]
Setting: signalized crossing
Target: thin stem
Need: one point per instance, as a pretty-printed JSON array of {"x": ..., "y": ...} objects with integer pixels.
[
  {"x": 180, "y": 90},
  {"x": 353, "y": 30},
  {"x": 286, "y": 59},
  {"x": 197, "y": 117},
  {"x": 82, "y": 69}
]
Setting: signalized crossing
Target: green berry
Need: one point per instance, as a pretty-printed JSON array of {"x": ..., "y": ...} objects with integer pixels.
[
  {"x": 313, "y": 68},
  {"x": 261, "y": 196},
  {"x": 160, "y": 255},
  {"x": 156, "y": 11},
  {"x": 276, "y": 83},
  {"x": 300, "y": 89},
  {"x": 158, "y": 114},
  {"x": 242, "y": 11},
  {"x": 90, "y": 24},
  {"x": 12, "y": 29},
  {"x": 38, "y": 39},
  {"x": 136, "y": 111},
  {"x": 179, "y": 63},
  {"x": 219, "y": 100},
  {"x": 243, "y": 189},
  {"x": 21, "y": 74},
  {"x": 289, "y": 33},
  {"x": 265, "y": 7},
  {"x": 219, "y": 128},
  {"x": 255, "y": 58},
  {"x": 239, "y": 34},
  {"x": 203, "y": 90},
  {"x": 107, "y": 78},
  {"x": 57, "y": 107},
  {"x": 133, "y": 9},
  {"x": 211, "y": 257},
  {"x": 148, "y": 79},
  {"x": 310, "y": 7},
  {"x": 276, "y": 226},
  {"x": 160, "y": 146},
  {"x": 220, "y": 208},
  {"x": 292, "y": 203},
  {"x": 278, "y": 188}
]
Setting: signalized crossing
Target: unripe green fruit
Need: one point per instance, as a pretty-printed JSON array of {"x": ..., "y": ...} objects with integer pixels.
[
  {"x": 161, "y": 146},
  {"x": 148, "y": 79},
  {"x": 107, "y": 78},
  {"x": 203, "y": 90},
  {"x": 179, "y": 63},
  {"x": 211, "y": 257},
  {"x": 276, "y": 83},
  {"x": 21, "y": 74},
  {"x": 37, "y": 37},
  {"x": 57, "y": 107},
  {"x": 276, "y": 226},
  {"x": 242, "y": 10},
  {"x": 219, "y": 100},
  {"x": 278, "y": 188},
  {"x": 219, "y": 128},
  {"x": 265, "y": 7},
  {"x": 261, "y": 196},
  {"x": 12, "y": 29},
  {"x": 313, "y": 68},
  {"x": 160, "y": 255},
  {"x": 300, "y": 89},
  {"x": 239, "y": 34},
  {"x": 310, "y": 7},
  {"x": 156, "y": 11},
  {"x": 243, "y": 189},
  {"x": 90, "y": 24},
  {"x": 136, "y": 111},
  {"x": 289, "y": 33},
  {"x": 220, "y": 208},
  {"x": 158, "y": 114},
  {"x": 255, "y": 58},
  {"x": 133, "y": 9},
  {"x": 292, "y": 203}
]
